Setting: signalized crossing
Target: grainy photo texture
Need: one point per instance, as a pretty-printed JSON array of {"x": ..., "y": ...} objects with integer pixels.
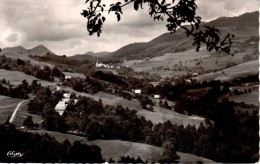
[{"x": 129, "y": 81}]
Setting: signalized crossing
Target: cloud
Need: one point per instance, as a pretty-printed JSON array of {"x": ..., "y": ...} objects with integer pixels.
[
  {"x": 12, "y": 38},
  {"x": 59, "y": 25}
]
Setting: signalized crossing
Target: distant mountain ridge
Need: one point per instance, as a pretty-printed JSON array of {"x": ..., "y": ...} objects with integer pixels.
[
  {"x": 245, "y": 25},
  {"x": 39, "y": 50},
  {"x": 92, "y": 56}
]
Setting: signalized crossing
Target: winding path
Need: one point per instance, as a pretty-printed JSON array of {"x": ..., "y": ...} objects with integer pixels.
[{"x": 15, "y": 111}]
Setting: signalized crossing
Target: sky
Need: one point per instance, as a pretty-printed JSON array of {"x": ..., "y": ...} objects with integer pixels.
[{"x": 58, "y": 25}]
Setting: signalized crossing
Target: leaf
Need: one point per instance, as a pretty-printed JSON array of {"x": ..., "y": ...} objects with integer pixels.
[
  {"x": 118, "y": 16},
  {"x": 210, "y": 48},
  {"x": 163, "y": 2},
  {"x": 198, "y": 48},
  {"x": 136, "y": 5},
  {"x": 103, "y": 19},
  {"x": 197, "y": 25}
]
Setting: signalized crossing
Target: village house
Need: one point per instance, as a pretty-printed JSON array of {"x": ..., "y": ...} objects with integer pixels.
[
  {"x": 195, "y": 74},
  {"x": 156, "y": 96},
  {"x": 62, "y": 105},
  {"x": 137, "y": 91},
  {"x": 67, "y": 77}
]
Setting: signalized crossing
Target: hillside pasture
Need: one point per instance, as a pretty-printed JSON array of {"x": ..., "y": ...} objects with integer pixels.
[
  {"x": 229, "y": 74},
  {"x": 221, "y": 61},
  {"x": 74, "y": 75},
  {"x": 25, "y": 57},
  {"x": 247, "y": 98},
  {"x": 116, "y": 148},
  {"x": 22, "y": 114},
  {"x": 7, "y": 106},
  {"x": 16, "y": 78},
  {"x": 144, "y": 151},
  {"x": 167, "y": 60},
  {"x": 159, "y": 115}
]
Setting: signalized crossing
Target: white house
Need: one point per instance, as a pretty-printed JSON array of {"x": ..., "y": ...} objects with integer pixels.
[
  {"x": 188, "y": 81},
  {"x": 67, "y": 77},
  {"x": 156, "y": 96},
  {"x": 138, "y": 91},
  {"x": 195, "y": 74},
  {"x": 61, "y": 106},
  {"x": 66, "y": 95}
]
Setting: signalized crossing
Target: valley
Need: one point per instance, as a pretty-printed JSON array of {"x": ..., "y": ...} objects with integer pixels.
[{"x": 144, "y": 100}]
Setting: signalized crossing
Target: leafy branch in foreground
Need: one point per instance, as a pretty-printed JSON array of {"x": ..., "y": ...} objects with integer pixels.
[{"x": 178, "y": 14}]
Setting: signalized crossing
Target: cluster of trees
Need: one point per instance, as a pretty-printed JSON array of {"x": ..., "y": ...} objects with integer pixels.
[
  {"x": 232, "y": 143},
  {"x": 92, "y": 119},
  {"x": 228, "y": 129},
  {"x": 213, "y": 141},
  {"x": 127, "y": 71},
  {"x": 21, "y": 91},
  {"x": 128, "y": 159},
  {"x": 28, "y": 123},
  {"x": 25, "y": 66},
  {"x": 217, "y": 141},
  {"x": 108, "y": 76},
  {"x": 66, "y": 64},
  {"x": 43, "y": 104},
  {"x": 87, "y": 85},
  {"x": 43, "y": 148}
]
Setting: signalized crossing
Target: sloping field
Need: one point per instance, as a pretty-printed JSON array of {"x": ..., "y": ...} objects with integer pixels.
[
  {"x": 248, "y": 98},
  {"x": 159, "y": 115},
  {"x": 75, "y": 75},
  {"x": 7, "y": 106},
  {"x": 16, "y": 77},
  {"x": 220, "y": 62},
  {"x": 15, "y": 55},
  {"x": 117, "y": 148},
  {"x": 22, "y": 114},
  {"x": 167, "y": 60},
  {"x": 114, "y": 100},
  {"x": 238, "y": 71}
]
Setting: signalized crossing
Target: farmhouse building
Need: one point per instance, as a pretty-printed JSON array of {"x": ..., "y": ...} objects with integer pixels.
[
  {"x": 137, "y": 91},
  {"x": 195, "y": 74},
  {"x": 62, "y": 105},
  {"x": 67, "y": 77}
]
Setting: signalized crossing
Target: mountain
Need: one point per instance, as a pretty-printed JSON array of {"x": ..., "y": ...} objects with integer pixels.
[
  {"x": 92, "y": 56},
  {"x": 245, "y": 25},
  {"x": 85, "y": 56},
  {"x": 39, "y": 50},
  {"x": 18, "y": 49}
]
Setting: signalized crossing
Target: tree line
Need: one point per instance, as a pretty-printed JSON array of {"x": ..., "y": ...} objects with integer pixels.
[
  {"x": 217, "y": 140},
  {"x": 45, "y": 73}
]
